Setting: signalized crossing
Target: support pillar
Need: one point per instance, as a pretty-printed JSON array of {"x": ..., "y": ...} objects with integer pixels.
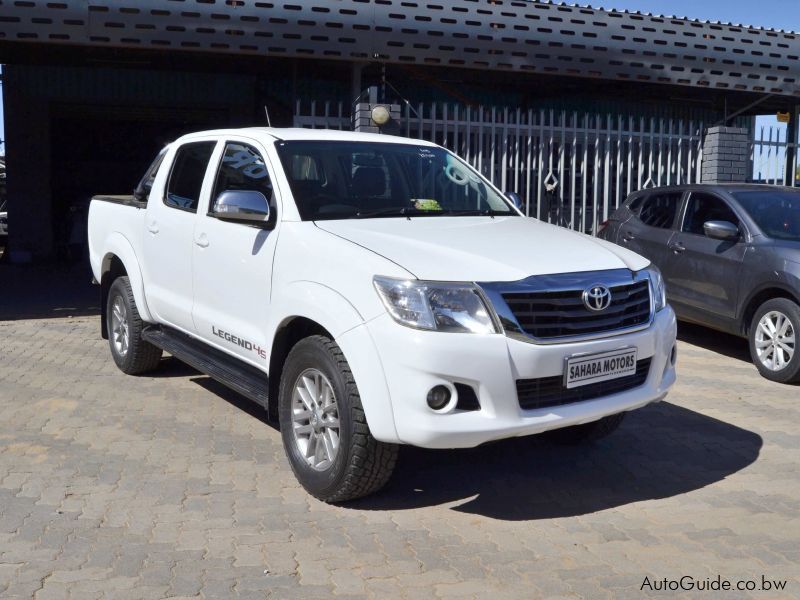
[{"x": 726, "y": 152}]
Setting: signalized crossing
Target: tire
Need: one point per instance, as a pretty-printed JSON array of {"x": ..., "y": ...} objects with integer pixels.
[
  {"x": 132, "y": 354},
  {"x": 588, "y": 432},
  {"x": 779, "y": 362},
  {"x": 361, "y": 464}
]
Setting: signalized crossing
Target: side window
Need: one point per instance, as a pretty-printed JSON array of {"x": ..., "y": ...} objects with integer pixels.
[
  {"x": 145, "y": 186},
  {"x": 705, "y": 207},
  {"x": 186, "y": 177},
  {"x": 242, "y": 169},
  {"x": 659, "y": 210}
]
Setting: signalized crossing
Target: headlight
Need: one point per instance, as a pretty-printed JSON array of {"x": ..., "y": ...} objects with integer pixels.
[
  {"x": 454, "y": 307},
  {"x": 657, "y": 286}
]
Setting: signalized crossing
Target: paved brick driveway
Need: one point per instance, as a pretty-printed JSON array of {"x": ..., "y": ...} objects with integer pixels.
[{"x": 171, "y": 486}]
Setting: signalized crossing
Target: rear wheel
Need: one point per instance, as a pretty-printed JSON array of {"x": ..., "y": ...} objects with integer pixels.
[
  {"x": 588, "y": 432},
  {"x": 324, "y": 430},
  {"x": 132, "y": 354},
  {"x": 773, "y": 340}
]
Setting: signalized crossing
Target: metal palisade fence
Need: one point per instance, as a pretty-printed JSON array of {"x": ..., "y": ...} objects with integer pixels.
[
  {"x": 768, "y": 152},
  {"x": 572, "y": 169}
]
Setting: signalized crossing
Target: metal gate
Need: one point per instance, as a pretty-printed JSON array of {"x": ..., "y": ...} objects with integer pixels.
[{"x": 572, "y": 169}]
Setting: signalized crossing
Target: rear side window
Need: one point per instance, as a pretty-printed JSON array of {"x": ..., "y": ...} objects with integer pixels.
[
  {"x": 145, "y": 186},
  {"x": 705, "y": 207},
  {"x": 188, "y": 172},
  {"x": 659, "y": 210},
  {"x": 242, "y": 169}
]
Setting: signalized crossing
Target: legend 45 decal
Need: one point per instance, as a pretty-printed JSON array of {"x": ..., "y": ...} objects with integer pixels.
[{"x": 241, "y": 342}]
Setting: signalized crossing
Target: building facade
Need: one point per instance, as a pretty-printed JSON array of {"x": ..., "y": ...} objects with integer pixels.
[{"x": 571, "y": 107}]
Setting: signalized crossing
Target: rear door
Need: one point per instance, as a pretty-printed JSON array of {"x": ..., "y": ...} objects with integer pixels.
[
  {"x": 649, "y": 230},
  {"x": 703, "y": 272},
  {"x": 169, "y": 230}
]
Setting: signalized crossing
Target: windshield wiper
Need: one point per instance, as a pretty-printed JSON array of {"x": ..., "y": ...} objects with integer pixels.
[
  {"x": 391, "y": 212},
  {"x": 485, "y": 212}
]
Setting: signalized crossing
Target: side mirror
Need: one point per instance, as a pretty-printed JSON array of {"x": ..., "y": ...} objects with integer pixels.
[
  {"x": 515, "y": 199},
  {"x": 242, "y": 206},
  {"x": 721, "y": 230}
]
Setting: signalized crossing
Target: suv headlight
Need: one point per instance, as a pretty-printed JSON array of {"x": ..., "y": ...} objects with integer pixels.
[
  {"x": 453, "y": 307},
  {"x": 657, "y": 286}
]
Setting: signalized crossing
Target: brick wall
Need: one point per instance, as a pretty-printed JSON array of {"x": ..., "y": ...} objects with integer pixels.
[{"x": 726, "y": 155}]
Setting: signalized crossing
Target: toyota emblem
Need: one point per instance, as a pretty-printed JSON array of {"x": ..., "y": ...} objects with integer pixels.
[{"x": 597, "y": 298}]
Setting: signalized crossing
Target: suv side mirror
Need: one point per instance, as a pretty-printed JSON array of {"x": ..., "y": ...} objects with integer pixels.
[
  {"x": 515, "y": 199},
  {"x": 241, "y": 206},
  {"x": 721, "y": 230}
]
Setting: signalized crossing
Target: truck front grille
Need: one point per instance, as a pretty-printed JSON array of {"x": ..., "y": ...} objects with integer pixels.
[
  {"x": 546, "y": 315},
  {"x": 546, "y": 392}
]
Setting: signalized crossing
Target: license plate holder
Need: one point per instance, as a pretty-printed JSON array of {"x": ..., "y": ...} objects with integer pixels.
[{"x": 586, "y": 369}]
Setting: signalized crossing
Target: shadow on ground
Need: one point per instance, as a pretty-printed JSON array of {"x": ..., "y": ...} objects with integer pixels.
[
  {"x": 723, "y": 343},
  {"x": 660, "y": 451},
  {"x": 47, "y": 291}
]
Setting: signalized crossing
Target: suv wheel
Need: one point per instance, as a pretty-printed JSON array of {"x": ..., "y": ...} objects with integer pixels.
[
  {"x": 773, "y": 340},
  {"x": 132, "y": 354},
  {"x": 324, "y": 430},
  {"x": 588, "y": 432}
]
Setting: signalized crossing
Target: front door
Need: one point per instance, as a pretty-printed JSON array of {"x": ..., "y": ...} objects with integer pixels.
[
  {"x": 704, "y": 272},
  {"x": 233, "y": 261}
]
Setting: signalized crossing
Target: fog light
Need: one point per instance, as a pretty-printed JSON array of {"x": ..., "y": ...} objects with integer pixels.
[{"x": 438, "y": 397}]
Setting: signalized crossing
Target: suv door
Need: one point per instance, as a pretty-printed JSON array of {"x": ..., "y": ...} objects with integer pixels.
[
  {"x": 233, "y": 261},
  {"x": 704, "y": 272},
  {"x": 649, "y": 230},
  {"x": 170, "y": 222}
]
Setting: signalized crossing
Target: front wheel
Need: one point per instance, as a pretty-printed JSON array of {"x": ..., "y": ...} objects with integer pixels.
[
  {"x": 773, "y": 340},
  {"x": 325, "y": 433}
]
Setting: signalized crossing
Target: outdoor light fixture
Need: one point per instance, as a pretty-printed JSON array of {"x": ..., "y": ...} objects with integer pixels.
[{"x": 380, "y": 115}]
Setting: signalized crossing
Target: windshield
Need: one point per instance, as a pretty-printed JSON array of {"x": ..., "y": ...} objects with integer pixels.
[
  {"x": 358, "y": 180},
  {"x": 777, "y": 213}
]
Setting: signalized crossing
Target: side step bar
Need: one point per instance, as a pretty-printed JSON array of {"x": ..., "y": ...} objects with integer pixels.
[{"x": 233, "y": 373}]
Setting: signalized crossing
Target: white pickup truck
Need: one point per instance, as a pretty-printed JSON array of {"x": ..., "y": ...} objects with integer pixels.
[{"x": 371, "y": 291}]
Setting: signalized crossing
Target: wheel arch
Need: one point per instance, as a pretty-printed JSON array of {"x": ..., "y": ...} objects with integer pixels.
[
  {"x": 290, "y": 331},
  {"x": 758, "y": 297},
  {"x": 120, "y": 260}
]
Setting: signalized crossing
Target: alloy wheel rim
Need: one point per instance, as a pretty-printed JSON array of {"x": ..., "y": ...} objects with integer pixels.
[
  {"x": 315, "y": 419},
  {"x": 119, "y": 326},
  {"x": 775, "y": 340}
]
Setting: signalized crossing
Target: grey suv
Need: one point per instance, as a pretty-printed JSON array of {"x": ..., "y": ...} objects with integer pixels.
[{"x": 730, "y": 256}]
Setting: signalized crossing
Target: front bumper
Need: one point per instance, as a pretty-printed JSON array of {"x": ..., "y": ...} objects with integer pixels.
[{"x": 414, "y": 361}]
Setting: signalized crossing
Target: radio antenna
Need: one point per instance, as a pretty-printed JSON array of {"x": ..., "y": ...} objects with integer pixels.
[{"x": 266, "y": 111}]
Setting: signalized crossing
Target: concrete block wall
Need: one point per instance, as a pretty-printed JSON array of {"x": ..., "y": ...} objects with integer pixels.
[{"x": 726, "y": 155}]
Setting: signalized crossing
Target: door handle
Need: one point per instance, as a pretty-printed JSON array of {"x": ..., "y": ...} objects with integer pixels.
[
  {"x": 677, "y": 247},
  {"x": 202, "y": 241},
  {"x": 628, "y": 236},
  {"x": 152, "y": 227}
]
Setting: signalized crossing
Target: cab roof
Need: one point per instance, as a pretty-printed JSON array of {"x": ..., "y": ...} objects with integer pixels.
[{"x": 303, "y": 134}]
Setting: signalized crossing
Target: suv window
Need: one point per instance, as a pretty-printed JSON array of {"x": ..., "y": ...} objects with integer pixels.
[
  {"x": 186, "y": 177},
  {"x": 242, "y": 169},
  {"x": 659, "y": 210},
  {"x": 705, "y": 207}
]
